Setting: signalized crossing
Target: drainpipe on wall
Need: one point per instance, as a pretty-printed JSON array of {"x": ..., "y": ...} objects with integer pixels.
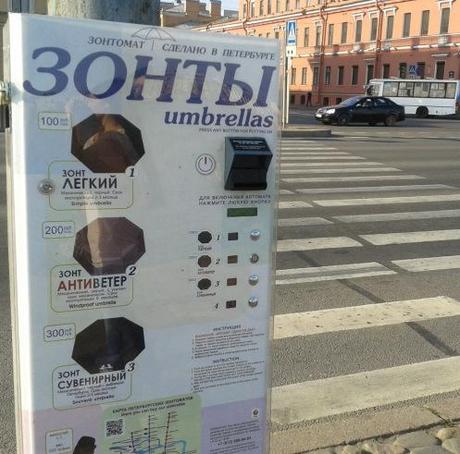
[
  {"x": 378, "y": 43},
  {"x": 246, "y": 18},
  {"x": 323, "y": 16}
]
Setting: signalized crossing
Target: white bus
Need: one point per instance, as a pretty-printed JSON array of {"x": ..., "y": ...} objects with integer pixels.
[{"x": 420, "y": 97}]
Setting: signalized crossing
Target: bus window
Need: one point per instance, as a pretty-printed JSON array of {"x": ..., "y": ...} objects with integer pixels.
[
  {"x": 451, "y": 89},
  {"x": 406, "y": 89},
  {"x": 437, "y": 90},
  {"x": 422, "y": 89},
  {"x": 390, "y": 89}
]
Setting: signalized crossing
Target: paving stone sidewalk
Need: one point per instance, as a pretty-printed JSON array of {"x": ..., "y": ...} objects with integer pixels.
[{"x": 437, "y": 440}]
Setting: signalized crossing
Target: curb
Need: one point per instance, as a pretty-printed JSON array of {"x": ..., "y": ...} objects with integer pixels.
[{"x": 306, "y": 132}]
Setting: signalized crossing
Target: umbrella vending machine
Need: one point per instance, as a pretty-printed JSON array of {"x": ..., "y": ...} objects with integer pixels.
[{"x": 142, "y": 192}]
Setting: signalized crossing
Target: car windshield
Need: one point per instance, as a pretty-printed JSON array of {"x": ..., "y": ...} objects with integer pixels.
[{"x": 350, "y": 101}]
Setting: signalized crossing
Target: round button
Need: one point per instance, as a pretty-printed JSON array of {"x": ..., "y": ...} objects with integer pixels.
[
  {"x": 204, "y": 284},
  {"x": 253, "y": 279},
  {"x": 204, "y": 261},
  {"x": 204, "y": 237},
  {"x": 255, "y": 234},
  {"x": 205, "y": 164},
  {"x": 253, "y": 301},
  {"x": 254, "y": 258}
]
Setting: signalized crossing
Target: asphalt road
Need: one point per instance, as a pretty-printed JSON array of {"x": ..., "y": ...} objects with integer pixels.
[
  {"x": 368, "y": 295},
  {"x": 367, "y": 305}
]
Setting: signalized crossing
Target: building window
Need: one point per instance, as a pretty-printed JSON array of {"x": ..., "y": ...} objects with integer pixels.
[
  {"x": 244, "y": 10},
  {"x": 252, "y": 12},
  {"x": 386, "y": 71},
  {"x": 402, "y": 70},
  {"x": 354, "y": 74},
  {"x": 344, "y": 33},
  {"x": 370, "y": 73},
  {"x": 304, "y": 76},
  {"x": 277, "y": 6},
  {"x": 318, "y": 35},
  {"x": 327, "y": 76},
  {"x": 440, "y": 67},
  {"x": 374, "y": 23},
  {"x": 425, "y": 22},
  {"x": 340, "y": 75},
  {"x": 293, "y": 74},
  {"x": 302, "y": 100},
  {"x": 292, "y": 100},
  {"x": 338, "y": 100},
  {"x": 358, "y": 30},
  {"x": 326, "y": 101},
  {"x": 390, "y": 23},
  {"x": 261, "y": 8},
  {"x": 268, "y": 35},
  {"x": 445, "y": 15},
  {"x": 286, "y": 5},
  {"x": 421, "y": 69},
  {"x": 297, "y": 4},
  {"x": 315, "y": 75},
  {"x": 406, "y": 25},
  {"x": 306, "y": 37},
  {"x": 330, "y": 35},
  {"x": 269, "y": 7}
]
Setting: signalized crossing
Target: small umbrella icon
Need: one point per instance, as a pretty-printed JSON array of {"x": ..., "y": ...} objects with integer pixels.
[{"x": 152, "y": 34}]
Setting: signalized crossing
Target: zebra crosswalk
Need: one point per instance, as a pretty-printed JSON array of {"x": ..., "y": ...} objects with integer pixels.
[{"x": 343, "y": 233}]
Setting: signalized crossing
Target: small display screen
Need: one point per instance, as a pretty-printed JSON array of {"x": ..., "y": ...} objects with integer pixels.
[{"x": 241, "y": 212}]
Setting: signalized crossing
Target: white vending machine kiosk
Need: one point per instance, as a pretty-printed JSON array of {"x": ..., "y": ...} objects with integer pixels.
[{"x": 142, "y": 170}]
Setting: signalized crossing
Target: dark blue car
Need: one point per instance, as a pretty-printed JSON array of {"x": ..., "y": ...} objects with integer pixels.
[{"x": 362, "y": 109}]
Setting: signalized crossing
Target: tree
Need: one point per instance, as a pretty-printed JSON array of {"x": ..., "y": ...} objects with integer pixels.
[{"x": 134, "y": 11}]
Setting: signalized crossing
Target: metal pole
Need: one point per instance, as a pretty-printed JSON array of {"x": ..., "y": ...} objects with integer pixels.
[
  {"x": 288, "y": 86},
  {"x": 133, "y": 11}
]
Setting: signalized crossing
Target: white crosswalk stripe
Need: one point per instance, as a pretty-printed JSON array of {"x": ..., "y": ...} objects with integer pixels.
[
  {"x": 330, "y": 273},
  {"x": 383, "y": 239},
  {"x": 415, "y": 187},
  {"x": 296, "y": 222},
  {"x": 448, "y": 262},
  {"x": 389, "y": 200},
  {"x": 306, "y": 148},
  {"x": 286, "y": 192},
  {"x": 329, "y": 164},
  {"x": 319, "y": 157},
  {"x": 402, "y": 216},
  {"x": 365, "y": 316},
  {"x": 352, "y": 178},
  {"x": 340, "y": 170},
  {"x": 293, "y": 204},
  {"x": 363, "y": 390},
  {"x": 316, "y": 243}
]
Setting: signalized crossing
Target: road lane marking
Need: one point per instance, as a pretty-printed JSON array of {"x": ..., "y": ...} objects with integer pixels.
[
  {"x": 365, "y": 316},
  {"x": 383, "y": 239},
  {"x": 330, "y": 273},
  {"x": 293, "y": 204},
  {"x": 310, "y": 244},
  {"x": 403, "y": 216},
  {"x": 295, "y": 222},
  {"x": 286, "y": 192},
  {"x": 329, "y": 164},
  {"x": 283, "y": 147},
  {"x": 448, "y": 262},
  {"x": 353, "y": 178},
  {"x": 320, "y": 158},
  {"x": 389, "y": 200},
  {"x": 340, "y": 170},
  {"x": 349, "y": 393},
  {"x": 415, "y": 187}
]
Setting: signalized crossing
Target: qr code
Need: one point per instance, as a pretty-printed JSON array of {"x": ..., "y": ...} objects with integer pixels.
[{"x": 114, "y": 427}]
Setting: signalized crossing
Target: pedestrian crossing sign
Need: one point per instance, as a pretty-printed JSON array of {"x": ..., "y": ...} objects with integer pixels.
[{"x": 291, "y": 38}]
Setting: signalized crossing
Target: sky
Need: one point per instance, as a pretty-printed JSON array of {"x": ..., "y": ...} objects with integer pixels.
[{"x": 230, "y": 4}]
